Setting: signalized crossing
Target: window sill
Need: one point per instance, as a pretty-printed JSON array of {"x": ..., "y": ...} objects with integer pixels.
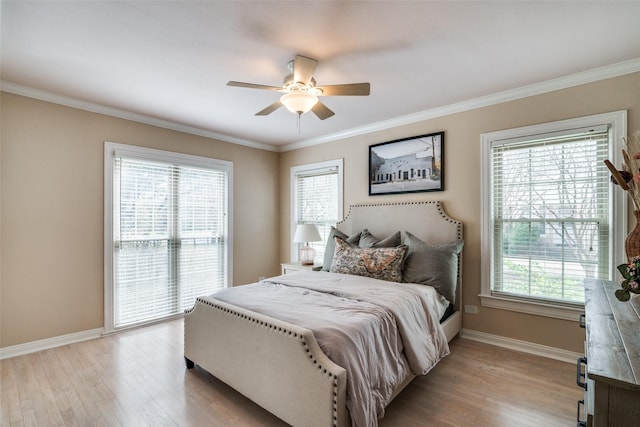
[{"x": 530, "y": 307}]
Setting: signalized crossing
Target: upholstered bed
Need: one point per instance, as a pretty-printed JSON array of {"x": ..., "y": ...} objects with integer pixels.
[{"x": 279, "y": 364}]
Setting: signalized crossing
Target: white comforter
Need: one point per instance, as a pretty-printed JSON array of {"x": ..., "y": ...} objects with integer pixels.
[{"x": 362, "y": 324}]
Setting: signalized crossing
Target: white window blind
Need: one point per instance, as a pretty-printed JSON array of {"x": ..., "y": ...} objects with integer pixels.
[
  {"x": 550, "y": 208},
  {"x": 318, "y": 200},
  {"x": 169, "y": 236}
]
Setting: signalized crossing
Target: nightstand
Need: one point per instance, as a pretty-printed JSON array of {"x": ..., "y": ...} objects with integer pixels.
[{"x": 296, "y": 266}]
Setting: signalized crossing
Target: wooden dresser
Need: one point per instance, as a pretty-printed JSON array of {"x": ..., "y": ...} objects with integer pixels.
[{"x": 612, "y": 373}]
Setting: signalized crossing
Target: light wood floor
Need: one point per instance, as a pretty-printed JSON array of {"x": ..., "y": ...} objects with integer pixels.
[{"x": 138, "y": 378}]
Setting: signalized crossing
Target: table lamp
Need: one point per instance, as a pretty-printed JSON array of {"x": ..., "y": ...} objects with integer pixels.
[{"x": 306, "y": 233}]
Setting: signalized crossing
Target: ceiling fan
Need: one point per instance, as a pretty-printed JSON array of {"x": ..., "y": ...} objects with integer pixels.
[{"x": 300, "y": 90}]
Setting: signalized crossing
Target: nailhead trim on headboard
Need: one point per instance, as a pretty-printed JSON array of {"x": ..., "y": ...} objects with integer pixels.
[
  {"x": 285, "y": 331},
  {"x": 437, "y": 203}
]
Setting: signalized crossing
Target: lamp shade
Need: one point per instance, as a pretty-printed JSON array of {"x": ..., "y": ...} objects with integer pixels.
[
  {"x": 306, "y": 233},
  {"x": 298, "y": 102}
]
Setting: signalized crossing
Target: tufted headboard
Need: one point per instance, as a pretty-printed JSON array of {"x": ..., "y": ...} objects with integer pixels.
[{"x": 426, "y": 220}]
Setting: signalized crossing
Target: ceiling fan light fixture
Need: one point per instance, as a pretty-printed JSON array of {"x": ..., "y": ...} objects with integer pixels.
[
  {"x": 299, "y": 102},
  {"x": 300, "y": 91}
]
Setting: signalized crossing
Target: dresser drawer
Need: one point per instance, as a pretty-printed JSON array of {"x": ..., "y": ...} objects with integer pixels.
[{"x": 612, "y": 395}]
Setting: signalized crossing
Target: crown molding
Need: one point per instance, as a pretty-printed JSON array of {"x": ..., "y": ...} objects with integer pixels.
[
  {"x": 43, "y": 95},
  {"x": 590, "y": 76}
]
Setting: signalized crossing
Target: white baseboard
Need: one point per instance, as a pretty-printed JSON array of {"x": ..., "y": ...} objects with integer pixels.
[
  {"x": 510, "y": 343},
  {"x": 523, "y": 346},
  {"x": 45, "y": 344}
]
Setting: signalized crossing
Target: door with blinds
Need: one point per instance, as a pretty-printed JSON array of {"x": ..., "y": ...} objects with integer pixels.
[{"x": 169, "y": 235}]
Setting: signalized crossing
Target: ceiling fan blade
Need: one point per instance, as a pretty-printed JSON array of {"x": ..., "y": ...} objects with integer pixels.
[
  {"x": 270, "y": 109},
  {"x": 322, "y": 111},
  {"x": 303, "y": 69},
  {"x": 353, "y": 89},
  {"x": 252, "y": 85}
]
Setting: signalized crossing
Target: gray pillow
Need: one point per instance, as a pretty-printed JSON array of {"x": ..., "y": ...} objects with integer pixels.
[
  {"x": 368, "y": 240},
  {"x": 435, "y": 266},
  {"x": 331, "y": 246}
]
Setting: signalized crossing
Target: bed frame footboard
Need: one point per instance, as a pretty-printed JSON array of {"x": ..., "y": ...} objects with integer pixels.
[{"x": 277, "y": 365}]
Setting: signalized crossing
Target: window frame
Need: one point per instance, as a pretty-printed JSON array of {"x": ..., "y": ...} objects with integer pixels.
[
  {"x": 111, "y": 149},
  {"x": 304, "y": 169},
  {"x": 617, "y": 211}
]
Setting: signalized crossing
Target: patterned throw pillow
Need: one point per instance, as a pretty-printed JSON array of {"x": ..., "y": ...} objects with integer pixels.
[
  {"x": 331, "y": 246},
  {"x": 378, "y": 263}
]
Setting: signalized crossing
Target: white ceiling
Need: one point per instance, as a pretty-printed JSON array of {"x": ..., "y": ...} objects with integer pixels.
[{"x": 167, "y": 62}]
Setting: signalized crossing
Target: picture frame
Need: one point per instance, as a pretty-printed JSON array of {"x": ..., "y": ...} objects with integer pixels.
[{"x": 407, "y": 165}]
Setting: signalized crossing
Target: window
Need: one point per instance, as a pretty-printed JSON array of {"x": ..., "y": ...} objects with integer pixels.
[
  {"x": 167, "y": 232},
  {"x": 548, "y": 209},
  {"x": 316, "y": 195}
]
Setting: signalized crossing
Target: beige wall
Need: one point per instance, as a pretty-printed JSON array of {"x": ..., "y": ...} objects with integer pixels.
[
  {"x": 462, "y": 184},
  {"x": 51, "y": 202},
  {"x": 51, "y": 208}
]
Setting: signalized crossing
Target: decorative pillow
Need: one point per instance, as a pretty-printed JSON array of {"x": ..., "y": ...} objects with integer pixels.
[
  {"x": 331, "y": 246},
  {"x": 368, "y": 240},
  {"x": 435, "y": 266},
  {"x": 379, "y": 263}
]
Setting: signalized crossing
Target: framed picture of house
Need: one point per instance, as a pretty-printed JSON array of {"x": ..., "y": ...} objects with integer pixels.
[{"x": 409, "y": 165}]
